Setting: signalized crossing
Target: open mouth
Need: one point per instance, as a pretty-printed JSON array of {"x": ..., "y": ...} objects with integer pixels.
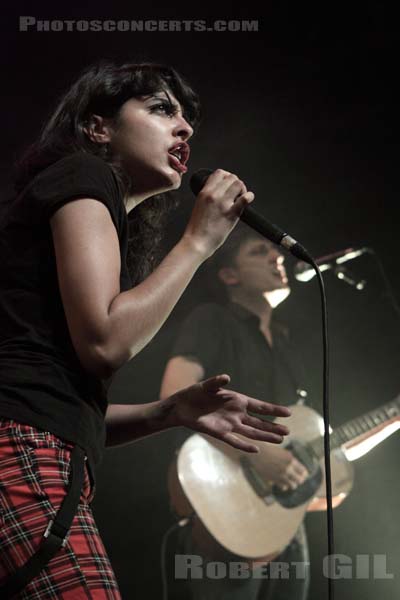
[
  {"x": 281, "y": 273},
  {"x": 179, "y": 155},
  {"x": 176, "y": 164}
]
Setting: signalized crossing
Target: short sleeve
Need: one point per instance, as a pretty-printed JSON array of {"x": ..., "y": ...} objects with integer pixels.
[
  {"x": 76, "y": 176},
  {"x": 200, "y": 336}
]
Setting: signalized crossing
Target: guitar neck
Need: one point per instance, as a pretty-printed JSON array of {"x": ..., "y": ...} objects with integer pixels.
[{"x": 360, "y": 426}]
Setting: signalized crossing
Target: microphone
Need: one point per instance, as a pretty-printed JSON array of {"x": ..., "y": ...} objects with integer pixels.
[
  {"x": 303, "y": 272},
  {"x": 257, "y": 222}
]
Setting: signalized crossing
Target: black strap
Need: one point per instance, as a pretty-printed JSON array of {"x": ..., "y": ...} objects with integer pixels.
[{"x": 56, "y": 532}]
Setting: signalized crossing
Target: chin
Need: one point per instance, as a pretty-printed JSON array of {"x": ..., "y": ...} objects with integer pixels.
[
  {"x": 177, "y": 184},
  {"x": 276, "y": 296},
  {"x": 156, "y": 181},
  {"x": 171, "y": 181}
]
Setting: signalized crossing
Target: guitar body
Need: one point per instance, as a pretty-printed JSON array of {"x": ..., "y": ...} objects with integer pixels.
[{"x": 239, "y": 515}]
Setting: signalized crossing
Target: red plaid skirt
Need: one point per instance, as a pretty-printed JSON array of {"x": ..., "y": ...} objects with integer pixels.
[{"x": 34, "y": 472}]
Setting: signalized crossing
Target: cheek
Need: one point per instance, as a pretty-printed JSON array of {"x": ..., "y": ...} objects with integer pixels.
[
  {"x": 152, "y": 142},
  {"x": 256, "y": 277},
  {"x": 138, "y": 144}
]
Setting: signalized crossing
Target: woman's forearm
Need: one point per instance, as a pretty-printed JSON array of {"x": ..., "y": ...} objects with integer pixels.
[
  {"x": 126, "y": 423},
  {"x": 136, "y": 315},
  {"x": 205, "y": 407}
]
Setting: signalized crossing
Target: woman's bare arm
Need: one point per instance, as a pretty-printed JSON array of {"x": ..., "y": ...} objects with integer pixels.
[
  {"x": 179, "y": 373},
  {"x": 108, "y": 327},
  {"x": 205, "y": 407}
]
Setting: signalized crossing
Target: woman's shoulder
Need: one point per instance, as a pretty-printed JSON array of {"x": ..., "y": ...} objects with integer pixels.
[
  {"x": 79, "y": 174},
  {"x": 77, "y": 164},
  {"x": 78, "y": 171}
]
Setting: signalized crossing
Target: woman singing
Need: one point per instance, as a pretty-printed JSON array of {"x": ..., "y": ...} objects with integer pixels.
[{"x": 79, "y": 297}]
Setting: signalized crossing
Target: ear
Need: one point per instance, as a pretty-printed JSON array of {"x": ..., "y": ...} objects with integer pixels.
[
  {"x": 98, "y": 129},
  {"x": 228, "y": 276}
]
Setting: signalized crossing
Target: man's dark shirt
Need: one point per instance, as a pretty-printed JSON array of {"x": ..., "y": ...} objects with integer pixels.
[{"x": 227, "y": 339}]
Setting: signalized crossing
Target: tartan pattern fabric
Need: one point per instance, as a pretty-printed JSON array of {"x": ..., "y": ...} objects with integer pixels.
[{"x": 34, "y": 473}]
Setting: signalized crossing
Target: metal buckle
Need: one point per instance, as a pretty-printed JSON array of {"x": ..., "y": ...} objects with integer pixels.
[{"x": 48, "y": 531}]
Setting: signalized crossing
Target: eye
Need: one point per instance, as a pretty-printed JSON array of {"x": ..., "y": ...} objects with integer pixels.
[
  {"x": 260, "y": 250},
  {"x": 165, "y": 108}
]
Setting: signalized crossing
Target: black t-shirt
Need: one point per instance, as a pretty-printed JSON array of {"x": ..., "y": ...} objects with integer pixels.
[
  {"x": 227, "y": 339},
  {"x": 42, "y": 382}
]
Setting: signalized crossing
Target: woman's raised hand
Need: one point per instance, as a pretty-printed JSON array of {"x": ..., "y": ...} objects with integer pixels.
[
  {"x": 209, "y": 408},
  {"x": 216, "y": 211}
]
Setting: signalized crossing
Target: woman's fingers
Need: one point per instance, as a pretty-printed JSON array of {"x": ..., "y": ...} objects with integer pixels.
[
  {"x": 222, "y": 182},
  {"x": 259, "y": 406},
  {"x": 231, "y": 416},
  {"x": 259, "y": 434},
  {"x": 240, "y": 204},
  {"x": 266, "y": 408},
  {"x": 228, "y": 188},
  {"x": 214, "y": 383},
  {"x": 238, "y": 443},
  {"x": 266, "y": 425},
  {"x": 216, "y": 211}
]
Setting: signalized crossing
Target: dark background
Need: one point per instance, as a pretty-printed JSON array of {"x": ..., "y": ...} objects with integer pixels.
[{"x": 305, "y": 112}]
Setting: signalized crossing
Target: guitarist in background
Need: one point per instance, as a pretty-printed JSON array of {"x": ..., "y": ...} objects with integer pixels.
[{"x": 240, "y": 337}]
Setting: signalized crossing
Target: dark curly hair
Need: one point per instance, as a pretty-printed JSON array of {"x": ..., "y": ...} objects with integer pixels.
[
  {"x": 225, "y": 256},
  {"x": 102, "y": 89}
]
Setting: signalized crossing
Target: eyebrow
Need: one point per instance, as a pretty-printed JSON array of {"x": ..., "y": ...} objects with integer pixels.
[
  {"x": 163, "y": 95},
  {"x": 261, "y": 244}
]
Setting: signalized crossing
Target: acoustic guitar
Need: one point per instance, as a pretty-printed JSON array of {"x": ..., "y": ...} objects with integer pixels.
[{"x": 239, "y": 513}]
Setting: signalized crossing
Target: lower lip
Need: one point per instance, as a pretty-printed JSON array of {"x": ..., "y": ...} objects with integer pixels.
[
  {"x": 176, "y": 164},
  {"x": 280, "y": 275}
]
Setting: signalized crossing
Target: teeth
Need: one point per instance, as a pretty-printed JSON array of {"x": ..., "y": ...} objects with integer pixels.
[{"x": 177, "y": 154}]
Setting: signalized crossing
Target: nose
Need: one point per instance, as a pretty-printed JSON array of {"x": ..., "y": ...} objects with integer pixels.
[
  {"x": 276, "y": 255},
  {"x": 182, "y": 128}
]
